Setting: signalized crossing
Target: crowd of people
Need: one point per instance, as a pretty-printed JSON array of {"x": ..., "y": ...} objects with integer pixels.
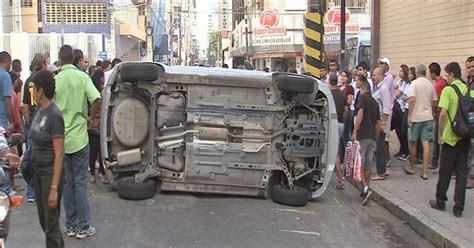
[
  {"x": 420, "y": 107},
  {"x": 57, "y": 111}
]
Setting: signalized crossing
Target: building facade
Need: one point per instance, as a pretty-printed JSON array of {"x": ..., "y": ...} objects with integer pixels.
[
  {"x": 418, "y": 32},
  {"x": 268, "y": 33},
  {"x": 182, "y": 28},
  {"x": 225, "y": 27}
]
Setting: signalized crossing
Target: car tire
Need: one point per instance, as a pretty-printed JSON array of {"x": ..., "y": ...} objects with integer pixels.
[
  {"x": 297, "y": 197},
  {"x": 128, "y": 189},
  {"x": 296, "y": 84},
  {"x": 133, "y": 72}
]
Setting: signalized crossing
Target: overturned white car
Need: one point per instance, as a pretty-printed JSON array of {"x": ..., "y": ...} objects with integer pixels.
[{"x": 215, "y": 130}]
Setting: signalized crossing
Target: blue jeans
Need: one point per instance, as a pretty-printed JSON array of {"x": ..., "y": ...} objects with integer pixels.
[
  {"x": 5, "y": 174},
  {"x": 75, "y": 194},
  {"x": 380, "y": 155},
  {"x": 27, "y": 170}
]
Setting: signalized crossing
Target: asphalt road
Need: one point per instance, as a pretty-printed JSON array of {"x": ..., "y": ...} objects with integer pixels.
[{"x": 189, "y": 220}]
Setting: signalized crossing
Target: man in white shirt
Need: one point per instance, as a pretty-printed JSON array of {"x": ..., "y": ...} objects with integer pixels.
[
  {"x": 382, "y": 97},
  {"x": 422, "y": 103}
]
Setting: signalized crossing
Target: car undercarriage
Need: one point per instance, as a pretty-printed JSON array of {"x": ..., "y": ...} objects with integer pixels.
[{"x": 217, "y": 131}]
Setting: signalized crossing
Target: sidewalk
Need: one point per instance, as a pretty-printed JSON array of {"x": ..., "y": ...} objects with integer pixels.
[{"x": 407, "y": 197}]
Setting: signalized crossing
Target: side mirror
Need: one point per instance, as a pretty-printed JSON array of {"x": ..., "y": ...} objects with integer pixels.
[{"x": 14, "y": 139}]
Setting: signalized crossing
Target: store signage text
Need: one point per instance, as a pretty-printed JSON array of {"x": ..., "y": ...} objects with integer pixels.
[
  {"x": 336, "y": 29},
  {"x": 269, "y": 25},
  {"x": 333, "y": 18}
]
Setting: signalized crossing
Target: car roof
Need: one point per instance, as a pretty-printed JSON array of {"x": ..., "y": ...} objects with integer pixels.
[{"x": 254, "y": 78}]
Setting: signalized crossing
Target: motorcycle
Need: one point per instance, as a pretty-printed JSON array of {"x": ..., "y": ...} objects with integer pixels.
[{"x": 7, "y": 201}]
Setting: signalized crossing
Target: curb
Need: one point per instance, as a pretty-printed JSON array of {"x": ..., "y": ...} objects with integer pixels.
[{"x": 437, "y": 234}]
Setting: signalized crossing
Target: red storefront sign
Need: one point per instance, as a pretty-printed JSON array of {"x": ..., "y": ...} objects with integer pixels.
[{"x": 268, "y": 22}]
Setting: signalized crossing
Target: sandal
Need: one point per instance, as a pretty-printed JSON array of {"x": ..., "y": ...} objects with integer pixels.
[
  {"x": 104, "y": 179},
  {"x": 408, "y": 171},
  {"x": 340, "y": 186},
  {"x": 424, "y": 177}
]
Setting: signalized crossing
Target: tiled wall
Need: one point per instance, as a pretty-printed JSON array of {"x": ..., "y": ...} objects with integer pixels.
[{"x": 421, "y": 31}]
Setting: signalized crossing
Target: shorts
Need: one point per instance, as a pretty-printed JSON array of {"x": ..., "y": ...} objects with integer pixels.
[
  {"x": 367, "y": 153},
  {"x": 423, "y": 131}
]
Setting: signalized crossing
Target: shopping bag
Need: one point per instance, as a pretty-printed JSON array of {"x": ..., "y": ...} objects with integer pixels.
[{"x": 353, "y": 163}]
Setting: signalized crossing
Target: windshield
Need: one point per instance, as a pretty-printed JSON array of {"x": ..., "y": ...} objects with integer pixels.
[{"x": 364, "y": 54}]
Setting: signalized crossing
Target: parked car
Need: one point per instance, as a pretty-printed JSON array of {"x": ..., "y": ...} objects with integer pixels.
[{"x": 216, "y": 130}]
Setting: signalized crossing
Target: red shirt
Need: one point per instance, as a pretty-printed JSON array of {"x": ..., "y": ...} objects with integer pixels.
[{"x": 440, "y": 84}]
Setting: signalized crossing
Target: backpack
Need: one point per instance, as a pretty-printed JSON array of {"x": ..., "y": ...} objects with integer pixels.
[{"x": 463, "y": 122}]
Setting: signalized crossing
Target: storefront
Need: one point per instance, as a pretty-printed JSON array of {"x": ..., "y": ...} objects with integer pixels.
[
  {"x": 357, "y": 24},
  {"x": 275, "y": 40}
]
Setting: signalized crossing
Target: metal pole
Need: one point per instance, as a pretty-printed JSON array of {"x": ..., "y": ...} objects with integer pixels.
[
  {"x": 313, "y": 37},
  {"x": 374, "y": 34},
  {"x": 343, "y": 32},
  {"x": 62, "y": 23},
  {"x": 171, "y": 34},
  {"x": 246, "y": 35},
  {"x": 179, "y": 38}
]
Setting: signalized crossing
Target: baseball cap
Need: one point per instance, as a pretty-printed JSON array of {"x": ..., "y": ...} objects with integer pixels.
[
  {"x": 53, "y": 68},
  {"x": 384, "y": 60}
]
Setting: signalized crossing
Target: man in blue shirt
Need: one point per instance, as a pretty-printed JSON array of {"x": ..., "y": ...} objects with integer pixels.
[{"x": 6, "y": 88}]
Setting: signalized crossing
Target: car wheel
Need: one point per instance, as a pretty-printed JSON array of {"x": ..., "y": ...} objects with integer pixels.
[
  {"x": 128, "y": 189},
  {"x": 133, "y": 72},
  {"x": 296, "y": 197},
  {"x": 295, "y": 84}
]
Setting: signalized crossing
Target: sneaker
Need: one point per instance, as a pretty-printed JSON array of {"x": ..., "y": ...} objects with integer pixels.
[
  {"x": 88, "y": 232},
  {"x": 378, "y": 177},
  {"x": 71, "y": 232},
  {"x": 31, "y": 199},
  {"x": 367, "y": 198},
  {"x": 404, "y": 157},
  {"x": 363, "y": 193}
]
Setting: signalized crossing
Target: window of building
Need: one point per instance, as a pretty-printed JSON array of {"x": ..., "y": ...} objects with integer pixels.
[
  {"x": 26, "y": 3},
  {"x": 76, "y": 13}
]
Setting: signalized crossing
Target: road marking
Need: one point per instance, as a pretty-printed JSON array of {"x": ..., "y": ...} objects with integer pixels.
[
  {"x": 302, "y": 232},
  {"x": 293, "y": 211}
]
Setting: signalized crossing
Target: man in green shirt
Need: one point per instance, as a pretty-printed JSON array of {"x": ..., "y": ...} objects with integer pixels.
[
  {"x": 454, "y": 149},
  {"x": 74, "y": 89}
]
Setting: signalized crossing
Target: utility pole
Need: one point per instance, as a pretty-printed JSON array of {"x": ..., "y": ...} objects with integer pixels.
[
  {"x": 375, "y": 33},
  {"x": 179, "y": 38},
  {"x": 171, "y": 34},
  {"x": 313, "y": 37},
  {"x": 343, "y": 32},
  {"x": 62, "y": 22},
  {"x": 246, "y": 34}
]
